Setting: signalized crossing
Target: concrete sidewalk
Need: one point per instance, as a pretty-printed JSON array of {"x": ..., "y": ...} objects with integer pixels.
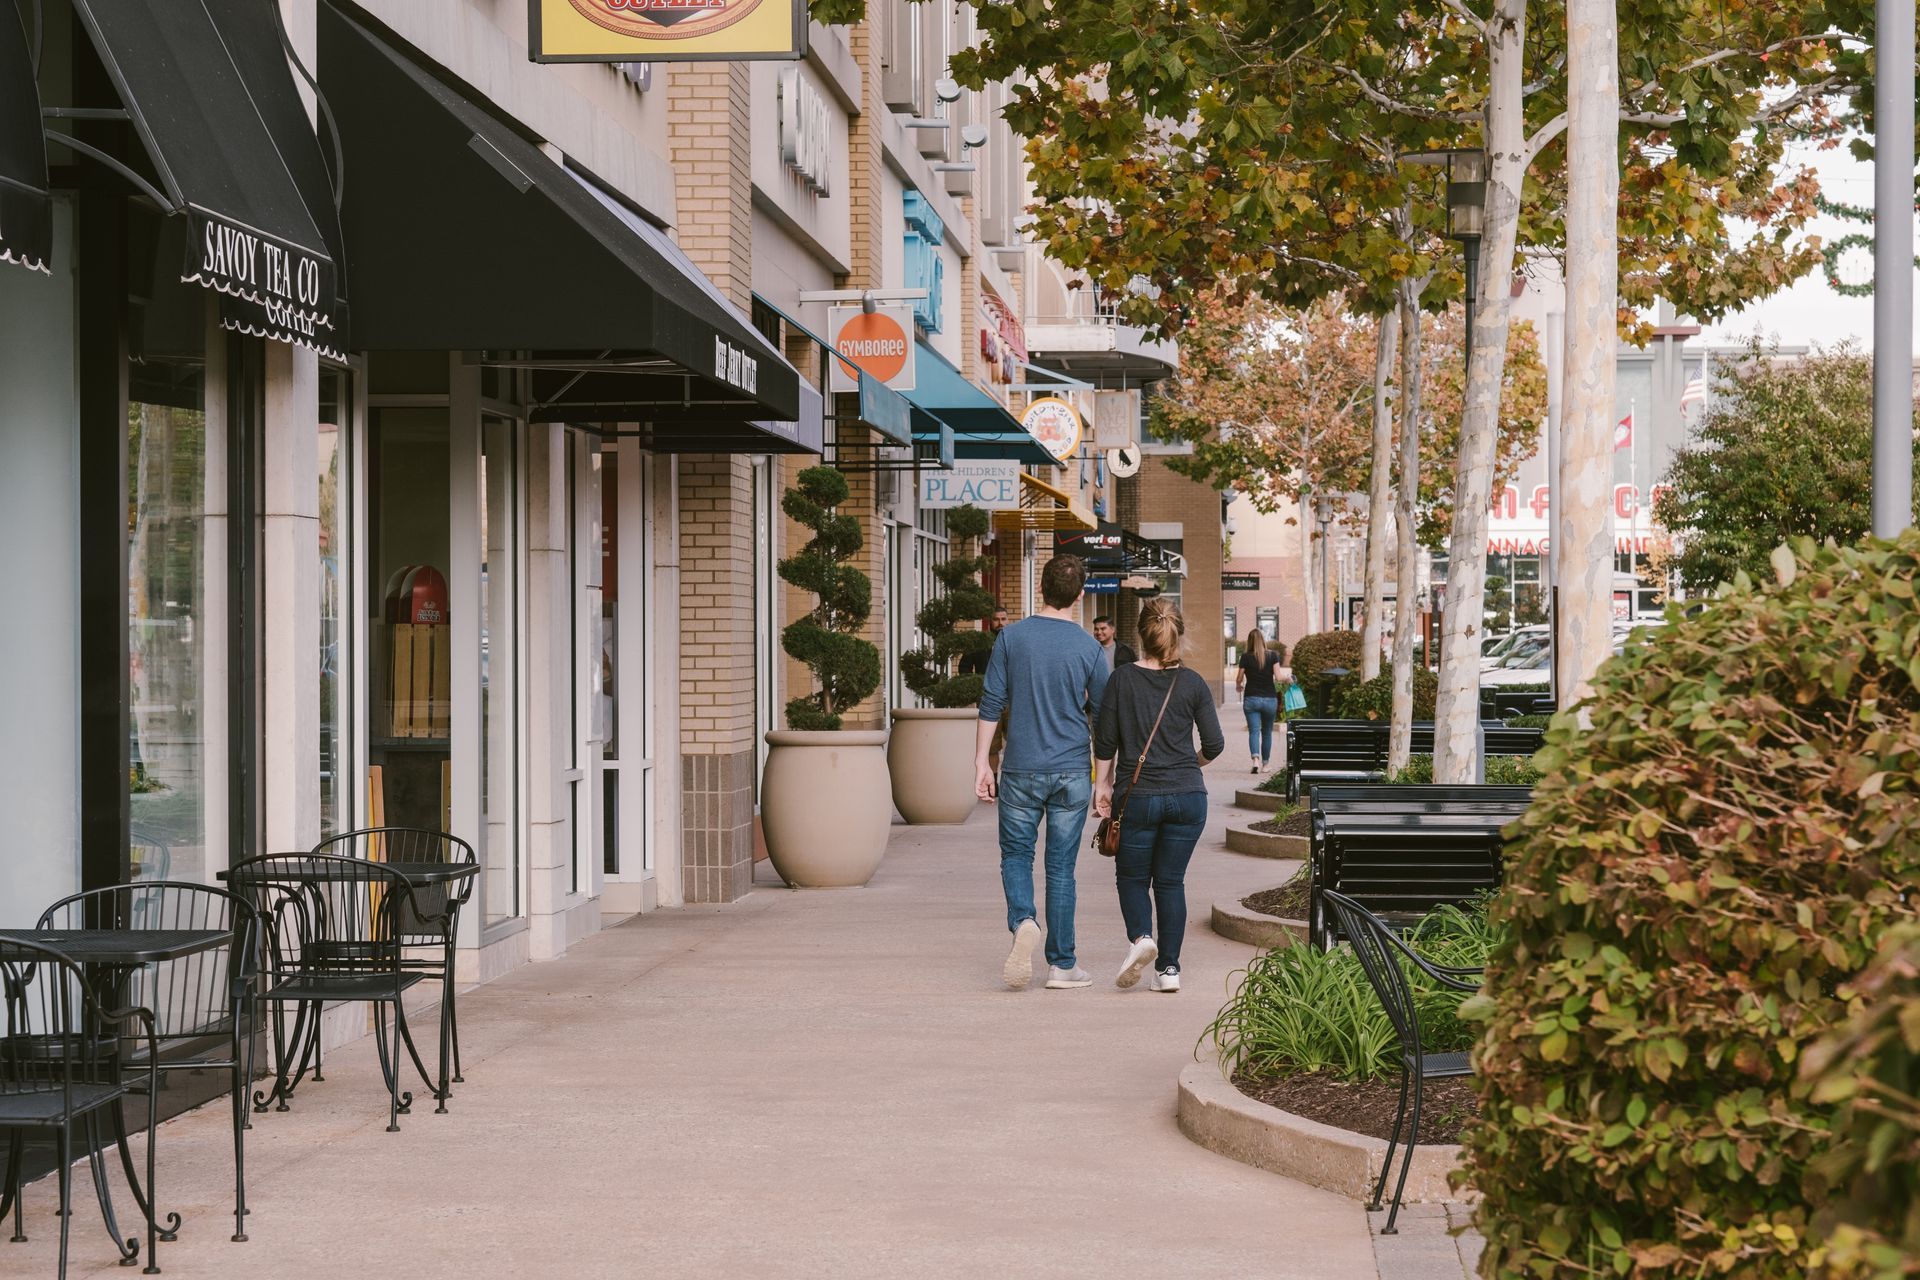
[{"x": 817, "y": 1084}]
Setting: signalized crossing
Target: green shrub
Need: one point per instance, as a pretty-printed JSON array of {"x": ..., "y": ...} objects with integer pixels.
[
  {"x": 1867, "y": 1188},
  {"x": 1702, "y": 871},
  {"x": 1505, "y": 771},
  {"x": 1298, "y": 1010},
  {"x": 1357, "y": 699},
  {"x": 929, "y": 671},
  {"x": 827, "y": 638},
  {"x": 1528, "y": 722},
  {"x": 1274, "y": 784},
  {"x": 1322, "y": 651}
]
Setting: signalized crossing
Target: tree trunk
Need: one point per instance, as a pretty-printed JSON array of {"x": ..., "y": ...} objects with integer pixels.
[
  {"x": 1406, "y": 517},
  {"x": 1379, "y": 491},
  {"x": 1584, "y": 487},
  {"x": 1456, "y": 730},
  {"x": 1301, "y": 505}
]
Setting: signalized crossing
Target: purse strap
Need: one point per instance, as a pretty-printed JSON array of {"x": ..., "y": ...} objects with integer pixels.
[{"x": 1141, "y": 763}]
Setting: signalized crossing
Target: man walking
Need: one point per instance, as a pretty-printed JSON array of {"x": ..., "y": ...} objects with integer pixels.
[
  {"x": 1045, "y": 676},
  {"x": 975, "y": 664},
  {"x": 1117, "y": 654}
]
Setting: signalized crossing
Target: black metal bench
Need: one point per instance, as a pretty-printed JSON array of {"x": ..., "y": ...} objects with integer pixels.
[
  {"x": 1356, "y": 750},
  {"x": 1404, "y": 850}
]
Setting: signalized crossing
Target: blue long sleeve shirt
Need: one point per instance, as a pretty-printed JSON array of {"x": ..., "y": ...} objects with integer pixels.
[{"x": 1045, "y": 677}]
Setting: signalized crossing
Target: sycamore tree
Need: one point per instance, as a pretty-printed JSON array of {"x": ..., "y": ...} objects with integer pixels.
[{"x": 1194, "y": 146}]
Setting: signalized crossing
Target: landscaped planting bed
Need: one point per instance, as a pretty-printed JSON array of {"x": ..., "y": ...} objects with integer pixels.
[
  {"x": 1288, "y": 901},
  {"x": 1297, "y": 823},
  {"x": 1305, "y": 1032}
]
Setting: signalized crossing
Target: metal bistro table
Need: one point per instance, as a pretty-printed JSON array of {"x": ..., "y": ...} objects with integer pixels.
[
  {"x": 427, "y": 882},
  {"x": 117, "y": 952}
]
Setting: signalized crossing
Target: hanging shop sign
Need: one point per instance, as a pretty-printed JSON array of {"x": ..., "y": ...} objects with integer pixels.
[
  {"x": 877, "y": 343},
  {"x": 666, "y": 30},
  {"x": 1055, "y": 424},
  {"x": 1239, "y": 582},
  {"x": 1116, "y": 418},
  {"x": 806, "y": 139},
  {"x": 1003, "y": 343},
  {"x": 989, "y": 484}
]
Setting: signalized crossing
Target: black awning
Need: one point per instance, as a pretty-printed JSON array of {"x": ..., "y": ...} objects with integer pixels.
[
  {"x": 1112, "y": 549},
  {"x": 464, "y": 235},
  {"x": 205, "y": 126},
  {"x": 26, "y": 211}
]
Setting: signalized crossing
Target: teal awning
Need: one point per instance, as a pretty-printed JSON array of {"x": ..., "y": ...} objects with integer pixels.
[{"x": 982, "y": 427}]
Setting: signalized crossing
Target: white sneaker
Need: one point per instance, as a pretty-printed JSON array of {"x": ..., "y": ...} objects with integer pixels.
[
  {"x": 1019, "y": 967},
  {"x": 1165, "y": 980},
  {"x": 1143, "y": 953},
  {"x": 1067, "y": 979}
]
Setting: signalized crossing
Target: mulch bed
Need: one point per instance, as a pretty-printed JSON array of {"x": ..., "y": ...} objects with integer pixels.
[
  {"x": 1289, "y": 901},
  {"x": 1446, "y": 1106},
  {"x": 1294, "y": 824}
]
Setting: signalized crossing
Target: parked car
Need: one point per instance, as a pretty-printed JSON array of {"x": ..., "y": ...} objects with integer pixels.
[{"x": 1506, "y": 646}]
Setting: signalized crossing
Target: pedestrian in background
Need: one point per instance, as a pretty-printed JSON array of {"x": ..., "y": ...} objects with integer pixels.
[
  {"x": 1259, "y": 695},
  {"x": 1149, "y": 718},
  {"x": 1117, "y": 654},
  {"x": 975, "y": 664},
  {"x": 1046, "y": 676}
]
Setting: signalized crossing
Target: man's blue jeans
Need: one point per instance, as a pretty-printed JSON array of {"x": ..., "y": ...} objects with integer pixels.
[{"x": 1061, "y": 799}]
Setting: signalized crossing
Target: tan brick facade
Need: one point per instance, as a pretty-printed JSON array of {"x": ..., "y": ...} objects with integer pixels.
[{"x": 1167, "y": 498}]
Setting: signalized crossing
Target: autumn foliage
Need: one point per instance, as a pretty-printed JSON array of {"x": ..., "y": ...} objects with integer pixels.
[{"x": 1703, "y": 872}]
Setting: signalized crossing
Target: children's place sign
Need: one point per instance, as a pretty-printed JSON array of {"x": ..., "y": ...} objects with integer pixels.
[{"x": 991, "y": 485}]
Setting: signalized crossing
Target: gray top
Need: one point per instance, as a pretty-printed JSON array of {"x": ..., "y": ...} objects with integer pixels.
[
  {"x": 1127, "y": 712},
  {"x": 1045, "y": 676}
]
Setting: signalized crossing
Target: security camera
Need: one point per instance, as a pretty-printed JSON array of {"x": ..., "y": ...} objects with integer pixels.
[
  {"x": 946, "y": 89},
  {"x": 973, "y": 136}
]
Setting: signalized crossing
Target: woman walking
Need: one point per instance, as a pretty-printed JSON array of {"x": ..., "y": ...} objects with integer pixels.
[
  {"x": 1259, "y": 695},
  {"x": 1149, "y": 717}
]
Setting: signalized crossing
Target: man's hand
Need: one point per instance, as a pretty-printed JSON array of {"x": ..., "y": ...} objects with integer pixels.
[
  {"x": 1103, "y": 800},
  {"x": 984, "y": 784}
]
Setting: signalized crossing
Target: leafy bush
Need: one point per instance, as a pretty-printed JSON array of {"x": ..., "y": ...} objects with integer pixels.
[
  {"x": 1357, "y": 699},
  {"x": 1702, "y": 871},
  {"x": 1274, "y": 784},
  {"x": 1868, "y": 1186},
  {"x": 1528, "y": 722},
  {"x": 827, "y": 638},
  {"x": 1298, "y": 1010},
  {"x": 1505, "y": 771},
  {"x": 1321, "y": 651},
  {"x": 927, "y": 671}
]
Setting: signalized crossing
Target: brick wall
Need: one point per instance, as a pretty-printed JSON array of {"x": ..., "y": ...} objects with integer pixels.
[
  {"x": 710, "y": 137},
  {"x": 1165, "y": 497}
]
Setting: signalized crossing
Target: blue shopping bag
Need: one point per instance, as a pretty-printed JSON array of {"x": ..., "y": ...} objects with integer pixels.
[{"x": 1294, "y": 699}]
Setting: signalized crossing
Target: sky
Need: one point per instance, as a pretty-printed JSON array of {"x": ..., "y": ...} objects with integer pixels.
[{"x": 1810, "y": 313}]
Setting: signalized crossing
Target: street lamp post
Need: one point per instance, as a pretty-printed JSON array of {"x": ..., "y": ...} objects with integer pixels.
[
  {"x": 1466, "y": 218},
  {"x": 1323, "y": 514},
  {"x": 1892, "y": 267}
]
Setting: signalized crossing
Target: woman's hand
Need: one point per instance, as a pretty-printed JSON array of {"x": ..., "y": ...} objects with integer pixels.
[{"x": 1103, "y": 800}]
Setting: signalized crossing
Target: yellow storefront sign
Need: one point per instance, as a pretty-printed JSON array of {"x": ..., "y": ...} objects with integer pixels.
[{"x": 665, "y": 30}]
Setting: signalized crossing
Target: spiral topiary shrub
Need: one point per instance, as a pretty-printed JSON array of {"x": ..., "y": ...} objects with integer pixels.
[
  {"x": 1322, "y": 651},
  {"x": 1357, "y": 699},
  {"x": 1702, "y": 871},
  {"x": 827, "y": 638},
  {"x": 929, "y": 671}
]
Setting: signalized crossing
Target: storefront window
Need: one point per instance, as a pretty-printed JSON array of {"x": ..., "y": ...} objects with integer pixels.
[
  {"x": 499, "y": 685},
  {"x": 335, "y": 520},
  {"x": 170, "y": 642}
]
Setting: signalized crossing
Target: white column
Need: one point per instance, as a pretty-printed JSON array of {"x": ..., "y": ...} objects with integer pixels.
[
  {"x": 290, "y": 600},
  {"x": 549, "y": 669}
]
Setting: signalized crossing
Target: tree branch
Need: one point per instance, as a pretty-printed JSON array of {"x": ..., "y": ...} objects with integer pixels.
[
  {"x": 1721, "y": 55},
  {"x": 1407, "y": 108},
  {"x": 1545, "y": 134},
  {"x": 1459, "y": 7}
]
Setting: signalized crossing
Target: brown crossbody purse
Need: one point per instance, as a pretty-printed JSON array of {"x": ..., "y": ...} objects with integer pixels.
[{"x": 1106, "y": 836}]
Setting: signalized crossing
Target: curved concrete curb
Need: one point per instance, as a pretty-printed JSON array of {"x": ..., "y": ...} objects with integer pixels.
[
  {"x": 1223, "y": 1120},
  {"x": 1260, "y": 844},
  {"x": 1240, "y": 922},
  {"x": 1263, "y": 801}
]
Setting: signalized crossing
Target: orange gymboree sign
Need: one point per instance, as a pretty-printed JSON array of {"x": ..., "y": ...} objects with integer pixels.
[{"x": 665, "y": 30}]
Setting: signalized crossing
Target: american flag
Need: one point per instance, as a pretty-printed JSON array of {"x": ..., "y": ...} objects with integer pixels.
[{"x": 1695, "y": 392}]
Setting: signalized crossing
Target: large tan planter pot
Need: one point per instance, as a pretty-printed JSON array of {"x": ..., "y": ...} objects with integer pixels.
[
  {"x": 823, "y": 803},
  {"x": 930, "y": 758}
]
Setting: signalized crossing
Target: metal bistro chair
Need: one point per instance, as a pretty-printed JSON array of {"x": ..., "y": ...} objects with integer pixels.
[
  {"x": 433, "y": 925},
  {"x": 60, "y": 1068},
  {"x": 331, "y": 928},
  {"x": 200, "y": 1003},
  {"x": 1379, "y": 948}
]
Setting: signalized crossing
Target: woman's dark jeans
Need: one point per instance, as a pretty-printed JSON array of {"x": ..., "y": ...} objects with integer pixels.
[
  {"x": 1260, "y": 716},
  {"x": 1157, "y": 836}
]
